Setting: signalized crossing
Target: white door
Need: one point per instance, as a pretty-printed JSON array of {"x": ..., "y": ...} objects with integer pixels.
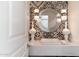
[{"x": 13, "y": 29}]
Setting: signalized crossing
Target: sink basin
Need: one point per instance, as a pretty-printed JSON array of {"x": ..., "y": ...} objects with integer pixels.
[{"x": 50, "y": 41}]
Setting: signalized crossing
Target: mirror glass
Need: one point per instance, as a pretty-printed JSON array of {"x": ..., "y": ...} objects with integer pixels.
[{"x": 48, "y": 20}]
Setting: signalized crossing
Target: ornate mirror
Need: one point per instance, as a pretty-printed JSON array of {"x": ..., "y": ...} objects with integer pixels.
[
  {"x": 48, "y": 20},
  {"x": 49, "y": 24}
]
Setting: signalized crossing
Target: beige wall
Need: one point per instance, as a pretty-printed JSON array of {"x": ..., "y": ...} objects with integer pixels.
[{"x": 73, "y": 16}]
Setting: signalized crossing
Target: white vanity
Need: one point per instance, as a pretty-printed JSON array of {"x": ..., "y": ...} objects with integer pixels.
[
  {"x": 53, "y": 49},
  {"x": 51, "y": 22}
]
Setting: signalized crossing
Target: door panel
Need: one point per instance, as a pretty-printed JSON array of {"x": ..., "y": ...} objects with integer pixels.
[{"x": 17, "y": 35}]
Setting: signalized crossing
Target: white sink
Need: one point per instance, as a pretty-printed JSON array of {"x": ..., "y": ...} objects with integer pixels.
[{"x": 50, "y": 41}]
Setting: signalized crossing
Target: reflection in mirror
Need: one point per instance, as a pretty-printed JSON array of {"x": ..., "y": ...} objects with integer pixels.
[{"x": 48, "y": 20}]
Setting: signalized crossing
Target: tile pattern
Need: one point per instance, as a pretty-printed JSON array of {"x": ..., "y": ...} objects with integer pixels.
[{"x": 57, "y": 5}]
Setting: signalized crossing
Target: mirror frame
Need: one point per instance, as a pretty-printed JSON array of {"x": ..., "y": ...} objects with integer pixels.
[{"x": 57, "y": 5}]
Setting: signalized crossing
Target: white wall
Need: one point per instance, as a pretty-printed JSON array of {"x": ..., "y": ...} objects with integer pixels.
[
  {"x": 4, "y": 18},
  {"x": 27, "y": 16},
  {"x": 13, "y": 31},
  {"x": 73, "y": 16}
]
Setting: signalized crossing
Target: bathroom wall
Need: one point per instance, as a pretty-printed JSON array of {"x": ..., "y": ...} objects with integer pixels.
[
  {"x": 27, "y": 17},
  {"x": 4, "y": 20},
  {"x": 13, "y": 28},
  {"x": 17, "y": 36},
  {"x": 73, "y": 16}
]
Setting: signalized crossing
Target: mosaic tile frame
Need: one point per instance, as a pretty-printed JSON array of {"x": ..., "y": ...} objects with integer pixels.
[{"x": 57, "y": 5}]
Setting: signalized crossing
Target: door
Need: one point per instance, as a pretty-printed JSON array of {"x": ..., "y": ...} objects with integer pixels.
[{"x": 13, "y": 28}]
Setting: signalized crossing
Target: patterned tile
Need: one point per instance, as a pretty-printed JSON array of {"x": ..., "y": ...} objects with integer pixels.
[{"x": 57, "y": 5}]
